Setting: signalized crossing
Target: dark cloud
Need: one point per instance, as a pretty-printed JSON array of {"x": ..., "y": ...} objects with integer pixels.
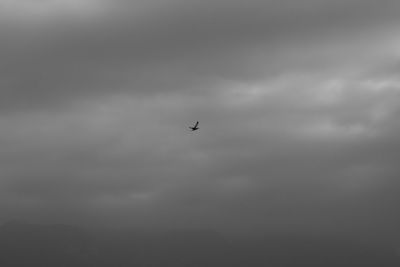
[
  {"x": 172, "y": 46},
  {"x": 297, "y": 103}
]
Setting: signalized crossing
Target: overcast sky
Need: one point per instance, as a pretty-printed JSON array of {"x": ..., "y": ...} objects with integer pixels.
[{"x": 298, "y": 103}]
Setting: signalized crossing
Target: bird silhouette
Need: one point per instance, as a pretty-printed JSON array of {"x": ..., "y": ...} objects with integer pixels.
[{"x": 194, "y": 128}]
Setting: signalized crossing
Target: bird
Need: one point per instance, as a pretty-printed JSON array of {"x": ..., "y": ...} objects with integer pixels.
[{"x": 194, "y": 128}]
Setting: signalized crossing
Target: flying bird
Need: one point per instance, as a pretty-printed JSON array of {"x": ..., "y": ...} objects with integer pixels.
[{"x": 194, "y": 128}]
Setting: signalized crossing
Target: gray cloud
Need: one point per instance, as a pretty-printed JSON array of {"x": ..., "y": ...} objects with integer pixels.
[
  {"x": 54, "y": 59},
  {"x": 297, "y": 104}
]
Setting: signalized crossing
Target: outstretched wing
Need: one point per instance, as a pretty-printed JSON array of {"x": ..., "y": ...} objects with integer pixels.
[{"x": 197, "y": 123}]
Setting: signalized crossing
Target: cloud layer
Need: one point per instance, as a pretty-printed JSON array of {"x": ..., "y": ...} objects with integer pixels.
[{"x": 297, "y": 101}]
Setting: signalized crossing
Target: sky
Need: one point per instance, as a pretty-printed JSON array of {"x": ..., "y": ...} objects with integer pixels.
[{"x": 298, "y": 103}]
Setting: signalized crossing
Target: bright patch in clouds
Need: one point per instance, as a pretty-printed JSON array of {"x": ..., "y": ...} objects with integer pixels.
[{"x": 50, "y": 8}]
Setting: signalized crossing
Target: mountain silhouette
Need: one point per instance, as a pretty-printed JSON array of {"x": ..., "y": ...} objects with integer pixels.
[{"x": 24, "y": 244}]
